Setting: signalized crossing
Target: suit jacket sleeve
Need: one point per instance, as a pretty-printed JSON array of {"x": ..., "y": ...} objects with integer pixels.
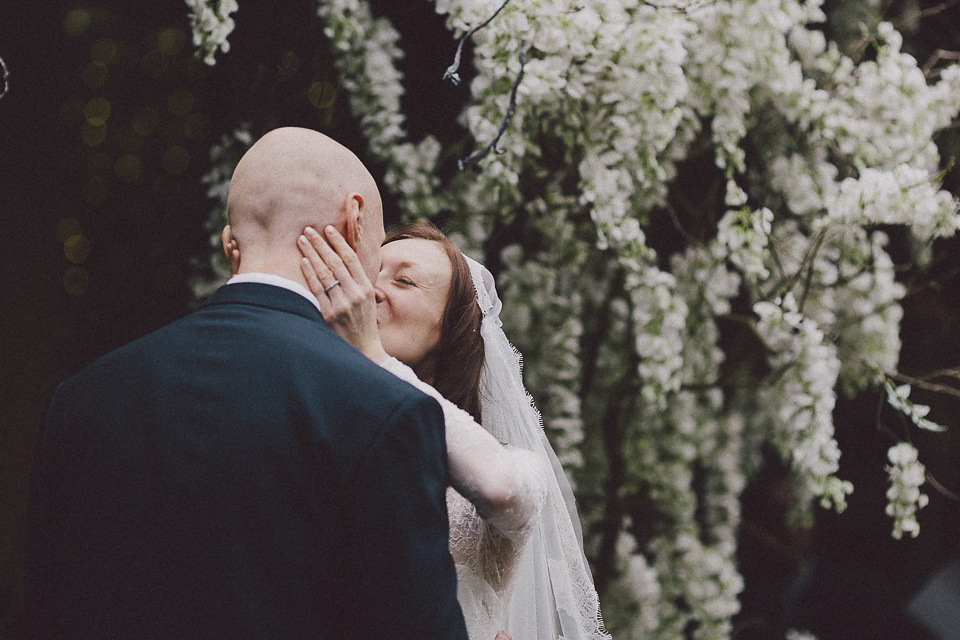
[{"x": 403, "y": 532}]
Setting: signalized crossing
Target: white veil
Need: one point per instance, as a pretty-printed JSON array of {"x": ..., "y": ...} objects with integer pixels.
[{"x": 553, "y": 595}]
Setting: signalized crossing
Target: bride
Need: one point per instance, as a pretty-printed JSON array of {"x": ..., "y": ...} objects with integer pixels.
[{"x": 432, "y": 319}]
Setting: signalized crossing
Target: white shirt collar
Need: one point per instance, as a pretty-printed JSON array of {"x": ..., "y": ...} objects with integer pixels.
[{"x": 276, "y": 281}]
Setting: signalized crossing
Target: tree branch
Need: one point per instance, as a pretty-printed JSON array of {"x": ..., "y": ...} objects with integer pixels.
[
  {"x": 942, "y": 490},
  {"x": 480, "y": 155},
  {"x": 914, "y": 14},
  {"x": 622, "y": 404},
  {"x": 591, "y": 348},
  {"x": 923, "y": 384},
  {"x": 679, "y": 227},
  {"x": 937, "y": 56},
  {"x": 451, "y": 72}
]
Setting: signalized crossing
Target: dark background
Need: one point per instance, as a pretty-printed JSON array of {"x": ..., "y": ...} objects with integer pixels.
[{"x": 103, "y": 227}]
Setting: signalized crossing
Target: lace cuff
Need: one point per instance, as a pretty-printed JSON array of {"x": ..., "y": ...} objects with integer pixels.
[{"x": 507, "y": 485}]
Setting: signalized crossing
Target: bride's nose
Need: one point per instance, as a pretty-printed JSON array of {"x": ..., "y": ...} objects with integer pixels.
[{"x": 378, "y": 294}]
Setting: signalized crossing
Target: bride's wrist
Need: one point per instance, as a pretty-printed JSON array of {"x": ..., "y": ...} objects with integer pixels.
[{"x": 375, "y": 351}]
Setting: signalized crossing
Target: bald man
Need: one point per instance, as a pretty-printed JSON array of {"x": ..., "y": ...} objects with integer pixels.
[{"x": 244, "y": 472}]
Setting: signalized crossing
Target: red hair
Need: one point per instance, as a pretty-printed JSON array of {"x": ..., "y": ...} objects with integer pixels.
[{"x": 459, "y": 353}]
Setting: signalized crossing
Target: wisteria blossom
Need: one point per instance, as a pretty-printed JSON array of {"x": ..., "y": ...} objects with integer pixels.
[
  {"x": 906, "y": 477},
  {"x": 212, "y": 25}
]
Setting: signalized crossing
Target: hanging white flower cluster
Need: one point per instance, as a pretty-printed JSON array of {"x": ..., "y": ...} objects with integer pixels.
[
  {"x": 641, "y": 580},
  {"x": 744, "y": 234},
  {"x": 211, "y": 24},
  {"x": 557, "y": 354},
  {"x": 905, "y": 499},
  {"x": 902, "y": 196},
  {"x": 801, "y": 396},
  {"x": 367, "y": 51},
  {"x": 812, "y": 149}
]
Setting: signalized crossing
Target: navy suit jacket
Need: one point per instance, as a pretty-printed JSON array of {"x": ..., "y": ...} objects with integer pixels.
[{"x": 241, "y": 473}]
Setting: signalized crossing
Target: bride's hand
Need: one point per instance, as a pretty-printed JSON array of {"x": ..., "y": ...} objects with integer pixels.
[{"x": 347, "y": 300}]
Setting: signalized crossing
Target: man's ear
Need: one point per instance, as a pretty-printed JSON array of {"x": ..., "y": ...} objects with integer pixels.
[
  {"x": 225, "y": 237},
  {"x": 231, "y": 249},
  {"x": 353, "y": 229}
]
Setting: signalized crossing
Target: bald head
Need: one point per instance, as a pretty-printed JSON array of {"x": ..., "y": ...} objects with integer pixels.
[{"x": 293, "y": 178}]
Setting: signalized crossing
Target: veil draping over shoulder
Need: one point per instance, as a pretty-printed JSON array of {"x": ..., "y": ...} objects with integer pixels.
[{"x": 553, "y": 594}]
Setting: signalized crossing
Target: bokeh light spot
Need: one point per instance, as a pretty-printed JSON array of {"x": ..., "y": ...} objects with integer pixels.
[
  {"x": 171, "y": 41},
  {"x": 77, "y": 249},
  {"x": 322, "y": 94},
  {"x": 180, "y": 102},
  {"x": 97, "y": 111},
  {"x": 146, "y": 120},
  {"x": 66, "y": 227},
  {"x": 76, "y": 22},
  {"x": 93, "y": 135},
  {"x": 196, "y": 126},
  {"x": 95, "y": 75},
  {"x": 128, "y": 168},
  {"x": 76, "y": 281},
  {"x": 176, "y": 159},
  {"x": 104, "y": 50},
  {"x": 95, "y": 191}
]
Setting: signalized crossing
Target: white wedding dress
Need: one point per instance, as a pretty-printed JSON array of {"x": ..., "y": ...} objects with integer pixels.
[{"x": 496, "y": 496}]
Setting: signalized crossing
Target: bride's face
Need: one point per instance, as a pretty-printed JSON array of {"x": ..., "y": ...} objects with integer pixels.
[{"x": 412, "y": 291}]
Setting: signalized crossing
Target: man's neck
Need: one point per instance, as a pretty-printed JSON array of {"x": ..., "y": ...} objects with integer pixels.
[{"x": 281, "y": 270}]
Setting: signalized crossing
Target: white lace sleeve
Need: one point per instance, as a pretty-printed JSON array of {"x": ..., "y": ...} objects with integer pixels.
[{"x": 505, "y": 484}]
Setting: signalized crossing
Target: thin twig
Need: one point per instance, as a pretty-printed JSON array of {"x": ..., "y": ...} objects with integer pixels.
[
  {"x": 937, "y": 56},
  {"x": 682, "y": 8},
  {"x": 923, "y": 384},
  {"x": 880, "y": 402},
  {"x": 912, "y": 16},
  {"x": 787, "y": 283},
  {"x": 948, "y": 373},
  {"x": 480, "y": 155},
  {"x": 451, "y": 72},
  {"x": 940, "y": 488},
  {"x": 6, "y": 79},
  {"x": 808, "y": 281},
  {"x": 679, "y": 227}
]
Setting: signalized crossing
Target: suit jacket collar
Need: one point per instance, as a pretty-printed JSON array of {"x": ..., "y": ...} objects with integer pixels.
[
  {"x": 264, "y": 295},
  {"x": 279, "y": 281}
]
